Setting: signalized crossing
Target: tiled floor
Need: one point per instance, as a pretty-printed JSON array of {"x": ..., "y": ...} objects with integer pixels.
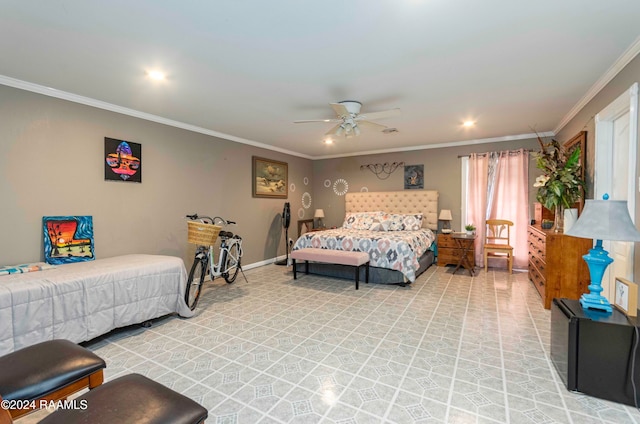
[{"x": 447, "y": 349}]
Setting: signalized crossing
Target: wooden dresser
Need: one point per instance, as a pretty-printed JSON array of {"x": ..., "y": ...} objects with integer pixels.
[
  {"x": 449, "y": 252},
  {"x": 556, "y": 267}
]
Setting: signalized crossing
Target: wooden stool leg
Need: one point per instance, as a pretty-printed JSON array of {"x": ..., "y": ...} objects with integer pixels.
[
  {"x": 367, "y": 273},
  {"x": 96, "y": 379}
]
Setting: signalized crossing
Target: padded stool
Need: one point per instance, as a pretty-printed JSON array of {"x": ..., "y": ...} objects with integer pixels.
[
  {"x": 50, "y": 370},
  {"x": 132, "y": 398}
]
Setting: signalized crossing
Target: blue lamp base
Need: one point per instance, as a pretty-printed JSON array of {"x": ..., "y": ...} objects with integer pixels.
[{"x": 597, "y": 260}]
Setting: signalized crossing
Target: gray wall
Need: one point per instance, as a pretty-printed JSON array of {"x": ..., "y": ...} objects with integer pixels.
[
  {"x": 442, "y": 169},
  {"x": 51, "y": 163}
]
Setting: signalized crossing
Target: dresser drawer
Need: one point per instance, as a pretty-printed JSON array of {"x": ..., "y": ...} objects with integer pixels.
[
  {"x": 537, "y": 261},
  {"x": 538, "y": 280},
  {"x": 445, "y": 240}
]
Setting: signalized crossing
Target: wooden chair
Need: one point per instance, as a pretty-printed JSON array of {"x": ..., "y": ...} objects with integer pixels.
[{"x": 497, "y": 241}]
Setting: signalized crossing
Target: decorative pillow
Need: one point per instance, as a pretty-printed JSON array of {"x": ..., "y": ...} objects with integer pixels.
[
  {"x": 379, "y": 224},
  {"x": 401, "y": 222},
  {"x": 360, "y": 220},
  {"x": 412, "y": 222},
  {"x": 20, "y": 269}
]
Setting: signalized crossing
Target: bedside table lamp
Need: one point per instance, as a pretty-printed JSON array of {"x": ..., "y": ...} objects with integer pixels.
[
  {"x": 446, "y": 218},
  {"x": 602, "y": 220},
  {"x": 319, "y": 215}
]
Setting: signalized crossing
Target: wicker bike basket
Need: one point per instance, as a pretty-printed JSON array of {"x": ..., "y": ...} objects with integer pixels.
[{"x": 203, "y": 234}]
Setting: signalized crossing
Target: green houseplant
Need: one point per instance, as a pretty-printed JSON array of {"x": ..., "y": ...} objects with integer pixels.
[
  {"x": 470, "y": 228},
  {"x": 560, "y": 185}
]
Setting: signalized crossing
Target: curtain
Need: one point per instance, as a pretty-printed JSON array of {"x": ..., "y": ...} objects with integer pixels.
[
  {"x": 511, "y": 201},
  {"x": 492, "y": 177},
  {"x": 477, "y": 198}
]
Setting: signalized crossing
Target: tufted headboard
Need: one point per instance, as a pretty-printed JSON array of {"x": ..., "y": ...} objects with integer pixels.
[{"x": 407, "y": 201}]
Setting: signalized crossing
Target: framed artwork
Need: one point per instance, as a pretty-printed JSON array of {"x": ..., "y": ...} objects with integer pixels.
[
  {"x": 68, "y": 239},
  {"x": 270, "y": 178},
  {"x": 122, "y": 160},
  {"x": 626, "y": 297},
  {"x": 413, "y": 177},
  {"x": 578, "y": 141}
]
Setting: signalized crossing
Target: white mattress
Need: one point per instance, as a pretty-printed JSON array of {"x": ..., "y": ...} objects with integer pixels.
[{"x": 83, "y": 300}]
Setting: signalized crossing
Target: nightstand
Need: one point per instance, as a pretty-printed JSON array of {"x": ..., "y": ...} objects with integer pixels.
[
  {"x": 449, "y": 251},
  {"x": 317, "y": 229}
]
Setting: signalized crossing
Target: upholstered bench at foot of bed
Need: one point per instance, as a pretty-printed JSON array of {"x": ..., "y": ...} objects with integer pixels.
[{"x": 341, "y": 257}]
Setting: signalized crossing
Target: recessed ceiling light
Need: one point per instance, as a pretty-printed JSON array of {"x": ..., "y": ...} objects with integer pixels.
[
  {"x": 328, "y": 141},
  {"x": 156, "y": 75},
  {"x": 468, "y": 124}
]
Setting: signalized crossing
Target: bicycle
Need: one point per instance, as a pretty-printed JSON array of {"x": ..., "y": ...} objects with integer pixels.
[{"x": 203, "y": 231}]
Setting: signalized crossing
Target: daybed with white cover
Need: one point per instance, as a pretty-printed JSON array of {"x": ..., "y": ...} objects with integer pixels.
[{"x": 80, "y": 301}]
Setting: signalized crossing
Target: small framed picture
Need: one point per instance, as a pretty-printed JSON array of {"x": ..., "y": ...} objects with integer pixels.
[
  {"x": 626, "y": 298},
  {"x": 270, "y": 178}
]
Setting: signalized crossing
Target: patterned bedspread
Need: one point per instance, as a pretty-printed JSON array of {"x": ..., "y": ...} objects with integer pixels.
[{"x": 397, "y": 250}]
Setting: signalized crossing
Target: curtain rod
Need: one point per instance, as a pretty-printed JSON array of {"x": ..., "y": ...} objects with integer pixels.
[{"x": 511, "y": 152}]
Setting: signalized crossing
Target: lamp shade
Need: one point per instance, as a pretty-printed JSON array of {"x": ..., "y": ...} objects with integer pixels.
[
  {"x": 319, "y": 213},
  {"x": 445, "y": 215},
  {"x": 605, "y": 220}
]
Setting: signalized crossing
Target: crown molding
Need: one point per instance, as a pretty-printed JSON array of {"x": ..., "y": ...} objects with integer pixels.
[
  {"x": 441, "y": 145},
  {"x": 52, "y": 92},
  {"x": 614, "y": 70}
]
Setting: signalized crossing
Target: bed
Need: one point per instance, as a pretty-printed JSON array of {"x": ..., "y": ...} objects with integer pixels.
[
  {"x": 398, "y": 254},
  {"x": 80, "y": 301}
]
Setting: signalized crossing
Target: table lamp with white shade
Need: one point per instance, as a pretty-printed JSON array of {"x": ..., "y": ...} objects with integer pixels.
[
  {"x": 319, "y": 214},
  {"x": 445, "y": 216},
  {"x": 602, "y": 220}
]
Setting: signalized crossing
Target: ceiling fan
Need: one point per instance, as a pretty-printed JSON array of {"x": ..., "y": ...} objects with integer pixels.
[{"x": 350, "y": 121}]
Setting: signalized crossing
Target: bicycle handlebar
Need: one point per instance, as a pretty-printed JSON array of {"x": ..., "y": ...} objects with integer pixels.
[{"x": 208, "y": 218}]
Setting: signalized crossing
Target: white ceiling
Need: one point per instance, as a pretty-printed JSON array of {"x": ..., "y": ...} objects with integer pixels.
[{"x": 246, "y": 69}]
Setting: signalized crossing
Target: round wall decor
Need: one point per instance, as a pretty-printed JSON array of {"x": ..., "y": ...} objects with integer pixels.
[
  {"x": 305, "y": 180},
  {"x": 327, "y": 183},
  {"x": 292, "y": 187},
  {"x": 300, "y": 213},
  {"x": 340, "y": 187},
  {"x": 306, "y": 200},
  {"x": 364, "y": 189}
]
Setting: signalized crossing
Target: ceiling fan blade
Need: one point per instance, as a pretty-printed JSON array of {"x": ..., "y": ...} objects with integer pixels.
[
  {"x": 379, "y": 115},
  {"x": 303, "y": 121},
  {"x": 340, "y": 109},
  {"x": 333, "y": 131},
  {"x": 371, "y": 125}
]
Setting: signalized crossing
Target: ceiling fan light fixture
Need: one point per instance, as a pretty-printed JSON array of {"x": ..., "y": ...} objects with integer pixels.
[
  {"x": 340, "y": 130},
  {"x": 356, "y": 130}
]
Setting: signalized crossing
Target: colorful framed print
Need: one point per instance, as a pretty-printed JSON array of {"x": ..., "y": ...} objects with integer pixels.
[
  {"x": 68, "y": 239},
  {"x": 626, "y": 297},
  {"x": 270, "y": 178},
  {"x": 413, "y": 177},
  {"x": 122, "y": 161}
]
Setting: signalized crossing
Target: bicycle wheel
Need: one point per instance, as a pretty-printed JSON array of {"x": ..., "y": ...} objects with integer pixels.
[
  {"x": 195, "y": 281},
  {"x": 232, "y": 263}
]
